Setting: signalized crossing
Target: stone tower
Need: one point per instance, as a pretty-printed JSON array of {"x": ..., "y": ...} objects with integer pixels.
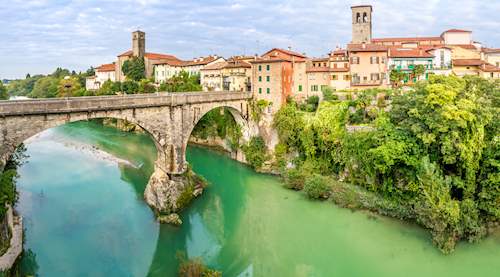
[
  {"x": 361, "y": 24},
  {"x": 138, "y": 44}
]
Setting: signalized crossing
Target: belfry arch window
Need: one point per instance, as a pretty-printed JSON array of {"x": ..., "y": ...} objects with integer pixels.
[
  {"x": 365, "y": 17},
  {"x": 358, "y": 18}
]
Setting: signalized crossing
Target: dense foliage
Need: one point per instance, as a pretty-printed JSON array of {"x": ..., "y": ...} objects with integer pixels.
[
  {"x": 8, "y": 178},
  {"x": 255, "y": 152},
  {"x": 195, "y": 267},
  {"x": 61, "y": 83},
  {"x": 220, "y": 123},
  {"x": 134, "y": 69},
  {"x": 436, "y": 152},
  {"x": 182, "y": 82},
  {"x": 3, "y": 92}
]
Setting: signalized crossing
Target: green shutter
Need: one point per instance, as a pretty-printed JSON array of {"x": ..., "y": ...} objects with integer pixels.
[
  {"x": 260, "y": 67},
  {"x": 300, "y": 87},
  {"x": 260, "y": 78},
  {"x": 268, "y": 67},
  {"x": 268, "y": 90},
  {"x": 268, "y": 78},
  {"x": 260, "y": 90}
]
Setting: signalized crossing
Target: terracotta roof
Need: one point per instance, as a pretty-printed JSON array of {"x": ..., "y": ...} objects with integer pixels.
[
  {"x": 395, "y": 52},
  {"x": 457, "y": 31},
  {"x": 235, "y": 63},
  {"x": 151, "y": 56},
  {"x": 171, "y": 62},
  {"x": 156, "y": 56},
  {"x": 490, "y": 50},
  {"x": 287, "y": 52},
  {"x": 339, "y": 52},
  {"x": 464, "y": 46},
  {"x": 215, "y": 66},
  {"x": 467, "y": 62},
  {"x": 106, "y": 67},
  {"x": 410, "y": 39},
  {"x": 274, "y": 60},
  {"x": 489, "y": 68},
  {"x": 201, "y": 61},
  {"x": 366, "y": 47}
]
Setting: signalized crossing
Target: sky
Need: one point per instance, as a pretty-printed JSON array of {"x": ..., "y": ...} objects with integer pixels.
[{"x": 37, "y": 36}]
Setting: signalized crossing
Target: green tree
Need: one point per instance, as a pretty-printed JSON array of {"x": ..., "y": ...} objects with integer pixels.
[
  {"x": 418, "y": 71},
  {"x": 255, "y": 152},
  {"x": 146, "y": 86},
  {"x": 3, "y": 92},
  {"x": 45, "y": 87},
  {"x": 69, "y": 87},
  {"x": 182, "y": 82},
  {"x": 134, "y": 69},
  {"x": 396, "y": 77}
]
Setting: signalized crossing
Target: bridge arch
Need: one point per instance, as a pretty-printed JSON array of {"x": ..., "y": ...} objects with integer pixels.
[{"x": 168, "y": 117}]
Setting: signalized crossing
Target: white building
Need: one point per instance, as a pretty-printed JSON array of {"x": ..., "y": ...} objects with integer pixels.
[
  {"x": 166, "y": 69},
  {"x": 442, "y": 60},
  {"x": 103, "y": 73}
]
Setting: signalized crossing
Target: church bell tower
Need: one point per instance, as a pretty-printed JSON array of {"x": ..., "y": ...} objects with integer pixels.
[
  {"x": 138, "y": 44},
  {"x": 361, "y": 24}
]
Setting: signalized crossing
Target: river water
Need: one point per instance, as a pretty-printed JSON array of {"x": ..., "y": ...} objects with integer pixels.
[{"x": 81, "y": 199}]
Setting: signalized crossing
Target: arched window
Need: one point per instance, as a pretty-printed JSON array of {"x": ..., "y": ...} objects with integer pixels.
[
  {"x": 365, "y": 17},
  {"x": 358, "y": 18}
]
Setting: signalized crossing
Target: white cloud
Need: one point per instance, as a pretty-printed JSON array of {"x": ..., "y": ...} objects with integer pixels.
[{"x": 40, "y": 35}]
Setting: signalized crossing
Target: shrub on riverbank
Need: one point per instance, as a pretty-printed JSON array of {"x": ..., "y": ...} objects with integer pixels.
[
  {"x": 255, "y": 152},
  {"x": 317, "y": 187},
  {"x": 195, "y": 267},
  {"x": 434, "y": 157}
]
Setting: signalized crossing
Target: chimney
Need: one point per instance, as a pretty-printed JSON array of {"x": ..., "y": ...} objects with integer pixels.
[
  {"x": 482, "y": 56},
  {"x": 289, "y": 48}
]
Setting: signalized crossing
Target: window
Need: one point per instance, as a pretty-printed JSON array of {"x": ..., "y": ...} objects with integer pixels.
[
  {"x": 300, "y": 87},
  {"x": 268, "y": 90},
  {"x": 260, "y": 90},
  {"x": 365, "y": 17},
  {"x": 260, "y": 78},
  {"x": 268, "y": 67},
  {"x": 334, "y": 77},
  {"x": 346, "y": 77},
  {"x": 314, "y": 88},
  {"x": 260, "y": 67},
  {"x": 374, "y": 76},
  {"x": 355, "y": 60},
  {"x": 268, "y": 78},
  {"x": 358, "y": 18}
]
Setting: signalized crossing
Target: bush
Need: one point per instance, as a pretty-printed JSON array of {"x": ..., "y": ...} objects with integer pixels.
[
  {"x": 295, "y": 179},
  {"x": 328, "y": 94},
  {"x": 255, "y": 152},
  {"x": 195, "y": 268},
  {"x": 317, "y": 187}
]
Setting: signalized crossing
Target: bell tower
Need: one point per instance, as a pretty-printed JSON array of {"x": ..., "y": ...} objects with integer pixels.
[
  {"x": 138, "y": 44},
  {"x": 361, "y": 24}
]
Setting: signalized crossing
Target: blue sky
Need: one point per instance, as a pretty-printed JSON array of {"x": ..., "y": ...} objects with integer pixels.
[{"x": 40, "y": 35}]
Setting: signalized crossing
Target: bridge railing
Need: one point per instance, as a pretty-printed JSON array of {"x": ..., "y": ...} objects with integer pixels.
[{"x": 114, "y": 102}]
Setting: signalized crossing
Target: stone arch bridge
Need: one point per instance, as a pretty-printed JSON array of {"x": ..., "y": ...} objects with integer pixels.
[{"x": 168, "y": 117}]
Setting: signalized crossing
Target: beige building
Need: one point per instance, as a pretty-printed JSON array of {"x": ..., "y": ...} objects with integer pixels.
[
  {"x": 462, "y": 67},
  {"x": 237, "y": 74},
  {"x": 368, "y": 65},
  {"x": 211, "y": 78}
]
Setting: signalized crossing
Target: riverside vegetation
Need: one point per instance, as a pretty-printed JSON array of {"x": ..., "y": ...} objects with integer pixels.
[{"x": 431, "y": 157}]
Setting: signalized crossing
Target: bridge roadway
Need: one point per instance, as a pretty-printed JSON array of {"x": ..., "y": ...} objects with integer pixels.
[{"x": 114, "y": 102}]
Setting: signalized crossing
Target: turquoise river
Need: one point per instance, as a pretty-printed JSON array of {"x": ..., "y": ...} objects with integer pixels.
[{"x": 81, "y": 196}]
